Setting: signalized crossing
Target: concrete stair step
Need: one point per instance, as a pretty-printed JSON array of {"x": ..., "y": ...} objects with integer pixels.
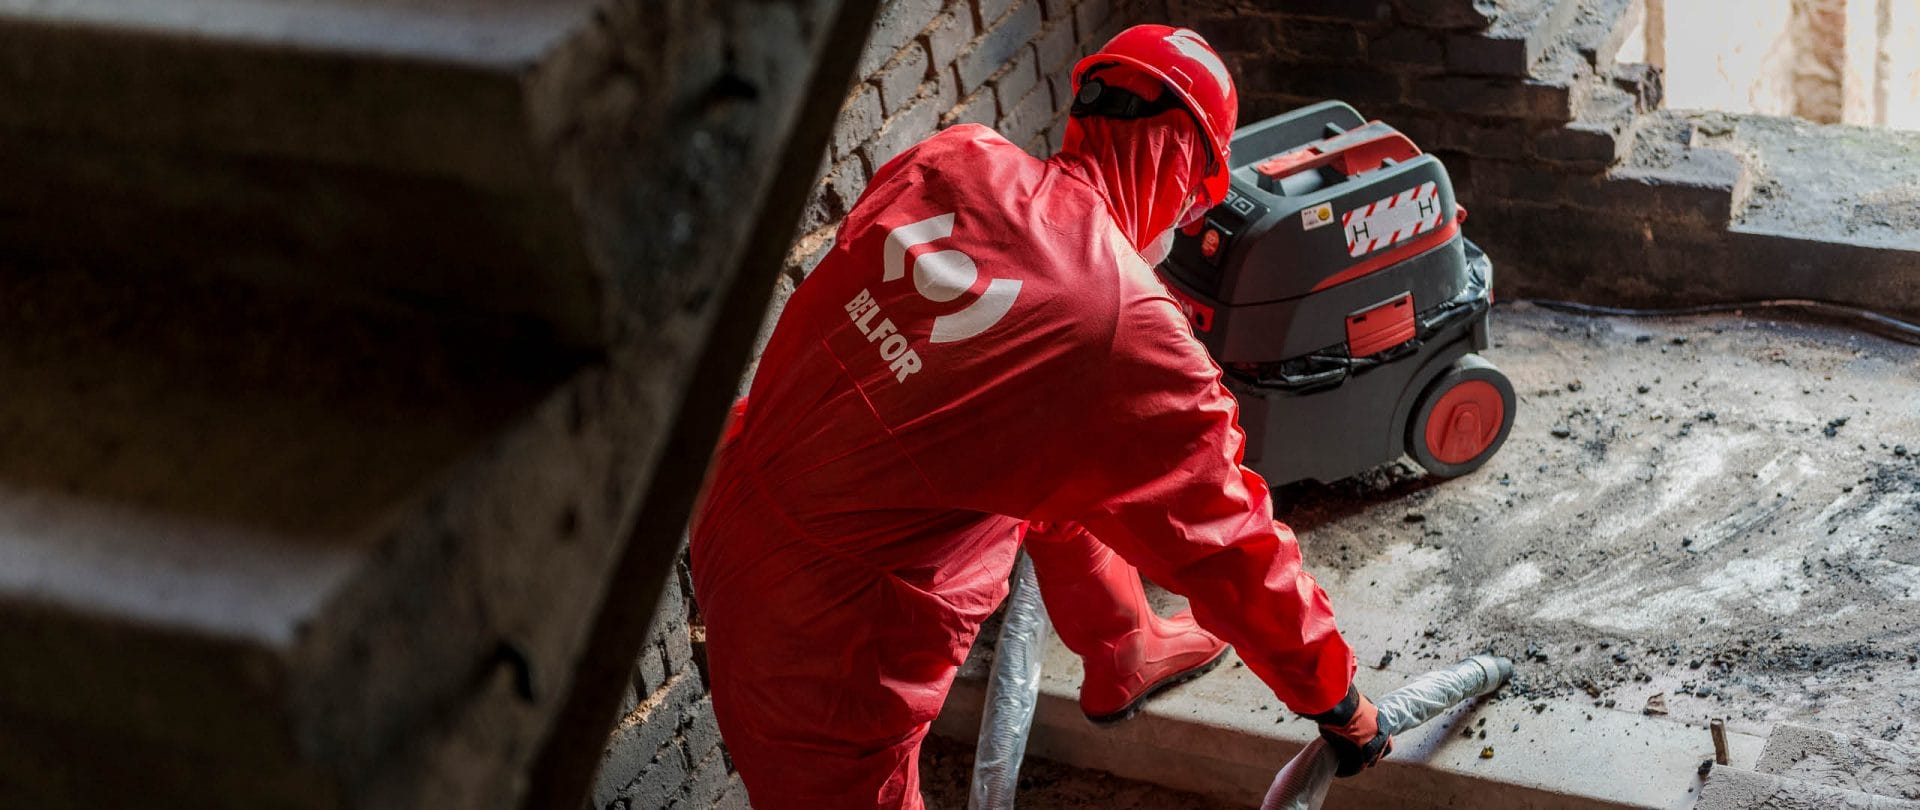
[
  {"x": 399, "y": 154},
  {"x": 1840, "y": 203},
  {"x": 1841, "y": 184},
  {"x": 1600, "y": 135},
  {"x": 237, "y": 508},
  {"x": 1603, "y": 105},
  {"x": 1561, "y": 65},
  {"x": 1600, "y": 29},
  {"x": 1729, "y": 788},
  {"x": 1455, "y": 14},
  {"x": 343, "y": 341},
  {"x": 1837, "y": 760},
  {"x": 1540, "y": 60},
  {"x": 1667, "y": 157},
  {"x": 1521, "y": 33},
  {"x": 1608, "y": 105}
]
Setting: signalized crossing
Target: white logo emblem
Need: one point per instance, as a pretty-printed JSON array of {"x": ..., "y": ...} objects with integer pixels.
[
  {"x": 1190, "y": 45},
  {"x": 945, "y": 275}
]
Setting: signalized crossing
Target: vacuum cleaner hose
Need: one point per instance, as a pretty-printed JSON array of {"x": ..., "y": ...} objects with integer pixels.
[
  {"x": 1013, "y": 690},
  {"x": 1303, "y": 783},
  {"x": 1884, "y": 325}
]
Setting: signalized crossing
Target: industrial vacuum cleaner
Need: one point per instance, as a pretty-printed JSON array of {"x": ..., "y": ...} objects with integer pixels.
[{"x": 1345, "y": 308}]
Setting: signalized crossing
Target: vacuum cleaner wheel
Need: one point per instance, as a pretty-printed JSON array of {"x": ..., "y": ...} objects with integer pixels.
[{"x": 1462, "y": 419}]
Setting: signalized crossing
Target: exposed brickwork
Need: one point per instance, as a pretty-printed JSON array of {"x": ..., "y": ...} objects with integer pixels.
[
  {"x": 932, "y": 64},
  {"x": 665, "y": 751}
]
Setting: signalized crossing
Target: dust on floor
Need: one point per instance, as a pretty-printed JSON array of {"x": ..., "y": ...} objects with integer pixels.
[
  {"x": 1843, "y": 183},
  {"x": 1718, "y": 516}
]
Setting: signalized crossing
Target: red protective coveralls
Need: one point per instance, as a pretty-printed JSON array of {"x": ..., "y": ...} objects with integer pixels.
[{"x": 983, "y": 346}]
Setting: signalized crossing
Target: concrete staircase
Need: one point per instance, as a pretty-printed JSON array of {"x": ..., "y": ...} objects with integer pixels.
[
  {"x": 1599, "y": 163},
  {"x": 1552, "y": 63},
  {"x": 1606, "y": 98},
  {"x": 1518, "y": 36},
  {"x": 1808, "y": 768},
  {"x": 346, "y": 349}
]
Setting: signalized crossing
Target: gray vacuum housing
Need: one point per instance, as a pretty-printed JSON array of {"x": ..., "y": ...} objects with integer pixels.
[{"x": 1343, "y": 304}]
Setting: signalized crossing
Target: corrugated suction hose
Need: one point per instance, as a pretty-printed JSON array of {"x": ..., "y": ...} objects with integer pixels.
[
  {"x": 1013, "y": 690},
  {"x": 1302, "y": 784}
]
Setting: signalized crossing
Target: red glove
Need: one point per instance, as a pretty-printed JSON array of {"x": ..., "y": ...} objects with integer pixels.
[{"x": 1352, "y": 729}]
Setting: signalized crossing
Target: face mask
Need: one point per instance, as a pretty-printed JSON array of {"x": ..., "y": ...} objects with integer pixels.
[{"x": 1156, "y": 251}]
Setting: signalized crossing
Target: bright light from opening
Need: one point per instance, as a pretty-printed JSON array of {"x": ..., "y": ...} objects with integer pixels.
[{"x": 1832, "y": 61}]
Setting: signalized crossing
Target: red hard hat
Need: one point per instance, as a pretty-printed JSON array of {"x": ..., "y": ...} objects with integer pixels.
[{"x": 1187, "y": 65}]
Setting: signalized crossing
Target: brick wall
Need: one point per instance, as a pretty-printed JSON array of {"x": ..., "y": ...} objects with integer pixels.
[
  {"x": 665, "y": 750},
  {"x": 928, "y": 64},
  {"x": 931, "y": 64}
]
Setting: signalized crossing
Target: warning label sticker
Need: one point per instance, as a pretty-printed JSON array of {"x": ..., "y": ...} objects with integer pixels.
[
  {"x": 1391, "y": 220},
  {"x": 1316, "y": 216}
]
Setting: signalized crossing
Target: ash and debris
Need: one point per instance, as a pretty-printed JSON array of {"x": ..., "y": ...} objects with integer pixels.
[{"x": 1693, "y": 518}]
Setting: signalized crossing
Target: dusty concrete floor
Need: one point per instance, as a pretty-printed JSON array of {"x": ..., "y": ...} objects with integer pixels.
[{"x": 1721, "y": 512}]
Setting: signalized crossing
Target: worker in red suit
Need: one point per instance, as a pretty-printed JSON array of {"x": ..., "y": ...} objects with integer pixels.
[{"x": 986, "y": 358}]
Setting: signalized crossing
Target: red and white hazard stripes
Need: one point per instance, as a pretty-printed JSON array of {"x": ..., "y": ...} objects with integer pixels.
[{"x": 1391, "y": 220}]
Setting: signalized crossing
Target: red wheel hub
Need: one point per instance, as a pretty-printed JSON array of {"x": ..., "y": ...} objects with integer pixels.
[{"x": 1465, "y": 421}]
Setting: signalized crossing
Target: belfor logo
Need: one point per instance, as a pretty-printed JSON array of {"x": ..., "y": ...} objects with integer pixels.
[
  {"x": 940, "y": 276},
  {"x": 946, "y": 275}
]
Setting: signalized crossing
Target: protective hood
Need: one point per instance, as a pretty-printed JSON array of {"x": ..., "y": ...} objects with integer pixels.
[{"x": 1145, "y": 168}]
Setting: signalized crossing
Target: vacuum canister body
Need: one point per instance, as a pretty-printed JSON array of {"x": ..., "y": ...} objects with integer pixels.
[{"x": 1337, "y": 293}]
